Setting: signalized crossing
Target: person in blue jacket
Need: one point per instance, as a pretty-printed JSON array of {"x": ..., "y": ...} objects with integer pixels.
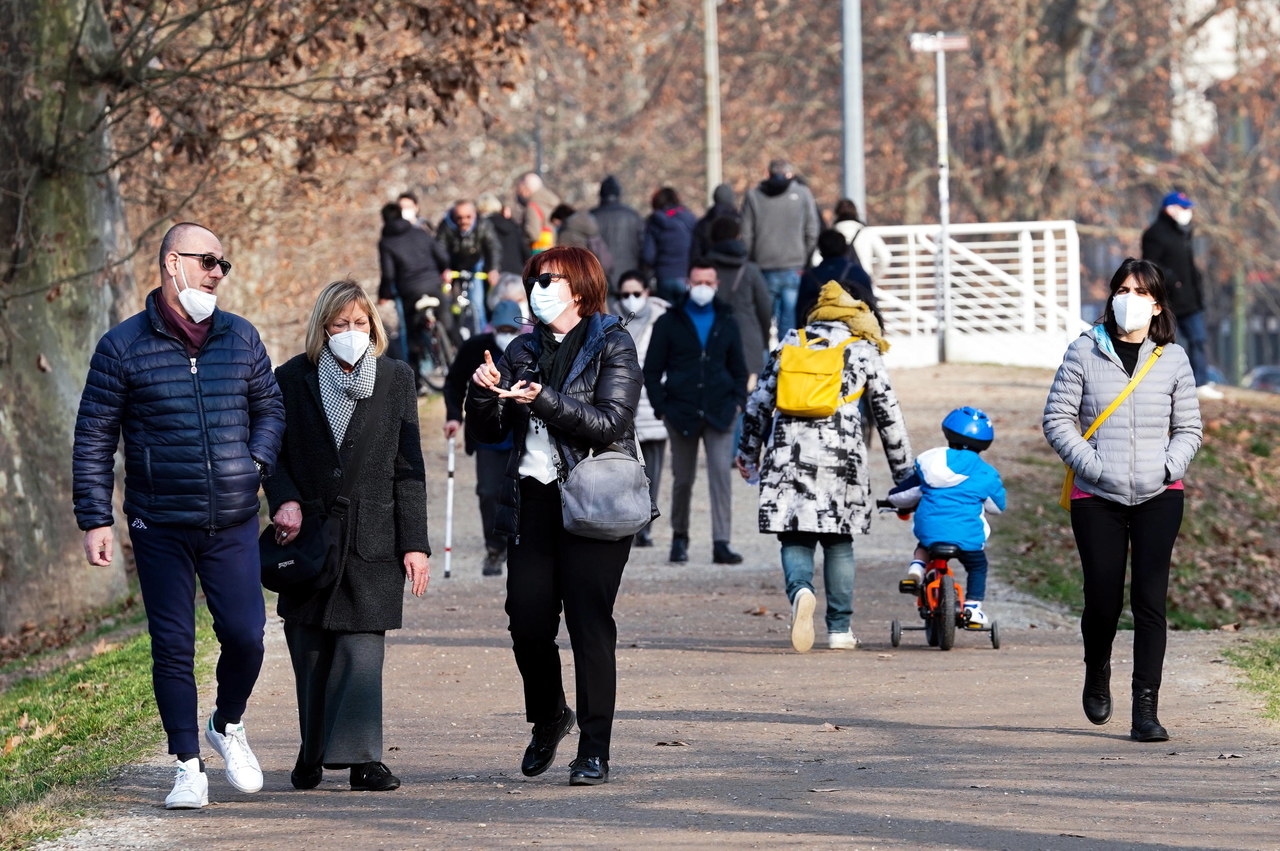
[
  {"x": 191, "y": 389},
  {"x": 951, "y": 491}
]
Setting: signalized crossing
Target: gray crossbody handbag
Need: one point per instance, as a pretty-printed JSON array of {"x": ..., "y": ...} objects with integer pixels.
[{"x": 606, "y": 496}]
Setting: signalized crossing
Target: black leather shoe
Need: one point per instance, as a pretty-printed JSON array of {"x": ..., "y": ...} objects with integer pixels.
[
  {"x": 679, "y": 549},
  {"x": 306, "y": 776},
  {"x": 1146, "y": 726},
  {"x": 1097, "y": 693},
  {"x": 721, "y": 554},
  {"x": 644, "y": 539},
  {"x": 493, "y": 562},
  {"x": 373, "y": 777},
  {"x": 588, "y": 771},
  {"x": 542, "y": 747}
]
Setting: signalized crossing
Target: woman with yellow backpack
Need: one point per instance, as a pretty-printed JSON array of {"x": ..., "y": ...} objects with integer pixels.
[{"x": 815, "y": 487}]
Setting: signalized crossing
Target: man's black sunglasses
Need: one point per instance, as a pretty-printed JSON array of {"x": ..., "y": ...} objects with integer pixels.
[
  {"x": 544, "y": 280},
  {"x": 208, "y": 261}
]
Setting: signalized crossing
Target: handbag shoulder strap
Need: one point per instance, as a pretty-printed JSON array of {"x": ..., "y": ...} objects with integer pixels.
[
  {"x": 352, "y": 473},
  {"x": 1133, "y": 382}
]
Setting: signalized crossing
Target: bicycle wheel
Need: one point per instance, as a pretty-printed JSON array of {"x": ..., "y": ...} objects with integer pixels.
[
  {"x": 946, "y": 615},
  {"x": 441, "y": 353}
]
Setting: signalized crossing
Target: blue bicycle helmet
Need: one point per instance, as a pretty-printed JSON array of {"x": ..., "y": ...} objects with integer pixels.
[{"x": 968, "y": 428}]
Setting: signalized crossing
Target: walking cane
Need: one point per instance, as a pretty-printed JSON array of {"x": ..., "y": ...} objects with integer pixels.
[{"x": 448, "y": 514}]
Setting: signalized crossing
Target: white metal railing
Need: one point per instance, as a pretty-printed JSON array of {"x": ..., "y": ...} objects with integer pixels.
[{"x": 1014, "y": 293}]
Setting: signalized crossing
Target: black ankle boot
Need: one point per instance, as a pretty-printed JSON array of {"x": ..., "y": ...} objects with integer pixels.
[
  {"x": 1146, "y": 726},
  {"x": 679, "y": 549},
  {"x": 1097, "y": 692}
]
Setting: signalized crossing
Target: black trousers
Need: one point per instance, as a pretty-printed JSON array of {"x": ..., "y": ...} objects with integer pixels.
[
  {"x": 1106, "y": 532},
  {"x": 491, "y": 477},
  {"x": 549, "y": 569},
  {"x": 338, "y": 676}
]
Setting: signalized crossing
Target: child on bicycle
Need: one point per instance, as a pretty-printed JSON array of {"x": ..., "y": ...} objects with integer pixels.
[{"x": 951, "y": 490}]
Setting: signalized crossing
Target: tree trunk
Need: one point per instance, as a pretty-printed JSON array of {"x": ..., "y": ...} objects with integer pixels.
[{"x": 61, "y": 276}]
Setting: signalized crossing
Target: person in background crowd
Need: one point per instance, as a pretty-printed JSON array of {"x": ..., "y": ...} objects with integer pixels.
[
  {"x": 566, "y": 389},
  {"x": 190, "y": 388},
  {"x": 815, "y": 480},
  {"x": 836, "y": 266},
  {"x": 742, "y": 287},
  {"x": 337, "y": 634},
  {"x": 537, "y": 202},
  {"x": 697, "y": 383},
  {"x": 409, "y": 210},
  {"x": 1127, "y": 501},
  {"x": 724, "y": 205},
  {"x": 622, "y": 229},
  {"x": 473, "y": 247},
  {"x": 780, "y": 229},
  {"x": 1169, "y": 243},
  {"x": 639, "y": 309},
  {"x": 578, "y": 228},
  {"x": 667, "y": 233},
  {"x": 412, "y": 262},
  {"x": 491, "y": 458},
  {"x": 514, "y": 250},
  {"x": 864, "y": 246}
]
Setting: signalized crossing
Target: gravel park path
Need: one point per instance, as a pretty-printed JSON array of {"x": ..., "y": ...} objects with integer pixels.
[{"x": 725, "y": 738}]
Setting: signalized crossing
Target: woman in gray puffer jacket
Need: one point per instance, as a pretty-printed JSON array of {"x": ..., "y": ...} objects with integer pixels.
[{"x": 1128, "y": 493}]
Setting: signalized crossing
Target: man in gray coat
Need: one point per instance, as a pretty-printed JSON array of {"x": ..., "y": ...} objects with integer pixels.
[
  {"x": 780, "y": 229},
  {"x": 621, "y": 228}
]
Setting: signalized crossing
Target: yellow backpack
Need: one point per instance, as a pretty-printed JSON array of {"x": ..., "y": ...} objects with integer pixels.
[{"x": 810, "y": 380}]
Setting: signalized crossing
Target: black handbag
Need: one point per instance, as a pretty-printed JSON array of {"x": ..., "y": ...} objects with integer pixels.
[{"x": 313, "y": 559}]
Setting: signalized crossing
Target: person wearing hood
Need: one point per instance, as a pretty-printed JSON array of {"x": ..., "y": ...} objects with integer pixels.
[
  {"x": 865, "y": 246},
  {"x": 838, "y": 266},
  {"x": 742, "y": 287},
  {"x": 667, "y": 234},
  {"x": 1168, "y": 243},
  {"x": 621, "y": 228},
  {"x": 697, "y": 383},
  {"x": 814, "y": 472},
  {"x": 579, "y": 229},
  {"x": 780, "y": 229},
  {"x": 473, "y": 247},
  {"x": 724, "y": 205},
  {"x": 639, "y": 309},
  {"x": 411, "y": 263}
]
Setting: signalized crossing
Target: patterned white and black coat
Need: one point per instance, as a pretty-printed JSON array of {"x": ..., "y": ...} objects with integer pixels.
[{"x": 813, "y": 472}]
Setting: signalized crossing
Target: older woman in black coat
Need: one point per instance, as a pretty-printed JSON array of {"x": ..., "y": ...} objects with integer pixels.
[
  {"x": 568, "y": 388},
  {"x": 337, "y": 634}
]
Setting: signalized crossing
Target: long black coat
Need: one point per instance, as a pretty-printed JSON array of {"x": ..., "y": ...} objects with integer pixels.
[
  {"x": 388, "y": 514},
  {"x": 688, "y": 385},
  {"x": 1168, "y": 245},
  {"x": 594, "y": 407}
]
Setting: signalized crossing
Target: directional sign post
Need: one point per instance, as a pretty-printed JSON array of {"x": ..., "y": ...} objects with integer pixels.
[{"x": 941, "y": 43}]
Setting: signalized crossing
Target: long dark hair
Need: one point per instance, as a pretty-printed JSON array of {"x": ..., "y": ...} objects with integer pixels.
[{"x": 1150, "y": 278}]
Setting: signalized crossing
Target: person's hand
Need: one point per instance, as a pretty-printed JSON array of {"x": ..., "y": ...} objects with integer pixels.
[
  {"x": 98, "y": 546},
  {"x": 383, "y": 302},
  {"x": 288, "y": 520},
  {"x": 451, "y": 428},
  {"x": 446, "y": 275},
  {"x": 418, "y": 571},
  {"x": 741, "y": 464},
  {"x": 486, "y": 374},
  {"x": 522, "y": 391}
]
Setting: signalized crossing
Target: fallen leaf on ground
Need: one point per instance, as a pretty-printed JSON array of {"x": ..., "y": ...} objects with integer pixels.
[
  {"x": 828, "y": 727},
  {"x": 756, "y": 612},
  {"x": 673, "y": 744},
  {"x": 1230, "y": 756},
  {"x": 1229, "y": 627}
]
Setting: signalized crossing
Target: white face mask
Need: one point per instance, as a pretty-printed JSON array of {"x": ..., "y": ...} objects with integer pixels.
[
  {"x": 349, "y": 346},
  {"x": 701, "y": 294},
  {"x": 503, "y": 339},
  {"x": 633, "y": 303},
  {"x": 198, "y": 304},
  {"x": 1181, "y": 215},
  {"x": 1132, "y": 311},
  {"x": 408, "y": 214},
  {"x": 546, "y": 303}
]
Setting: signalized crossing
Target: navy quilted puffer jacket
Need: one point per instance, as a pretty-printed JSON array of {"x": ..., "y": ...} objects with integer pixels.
[{"x": 193, "y": 427}]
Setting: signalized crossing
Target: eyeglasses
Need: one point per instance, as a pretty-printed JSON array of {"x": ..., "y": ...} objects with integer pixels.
[
  {"x": 547, "y": 278},
  {"x": 208, "y": 261}
]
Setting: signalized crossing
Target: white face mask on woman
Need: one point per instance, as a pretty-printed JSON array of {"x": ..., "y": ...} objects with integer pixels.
[
  {"x": 546, "y": 303},
  {"x": 349, "y": 346},
  {"x": 198, "y": 304},
  {"x": 633, "y": 303},
  {"x": 1132, "y": 311},
  {"x": 504, "y": 338}
]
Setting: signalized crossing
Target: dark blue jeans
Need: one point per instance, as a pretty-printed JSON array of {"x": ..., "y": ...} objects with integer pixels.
[
  {"x": 1194, "y": 337},
  {"x": 169, "y": 560}
]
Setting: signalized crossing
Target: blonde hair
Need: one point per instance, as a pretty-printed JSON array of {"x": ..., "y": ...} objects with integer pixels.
[{"x": 334, "y": 299}]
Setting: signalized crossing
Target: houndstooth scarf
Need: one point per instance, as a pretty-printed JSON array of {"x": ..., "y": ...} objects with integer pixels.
[{"x": 340, "y": 390}]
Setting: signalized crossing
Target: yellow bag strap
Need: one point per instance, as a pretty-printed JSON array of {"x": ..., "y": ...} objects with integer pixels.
[{"x": 1133, "y": 382}]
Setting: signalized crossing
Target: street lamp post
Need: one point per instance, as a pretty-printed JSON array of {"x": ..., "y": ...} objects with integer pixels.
[{"x": 941, "y": 43}]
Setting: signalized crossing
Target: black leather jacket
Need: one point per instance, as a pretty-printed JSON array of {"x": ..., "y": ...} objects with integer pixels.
[{"x": 594, "y": 408}]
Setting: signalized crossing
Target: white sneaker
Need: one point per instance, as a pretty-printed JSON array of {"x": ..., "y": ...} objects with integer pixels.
[
  {"x": 1209, "y": 391},
  {"x": 975, "y": 617},
  {"x": 190, "y": 787},
  {"x": 842, "y": 640},
  {"x": 802, "y": 620},
  {"x": 915, "y": 575},
  {"x": 243, "y": 771}
]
